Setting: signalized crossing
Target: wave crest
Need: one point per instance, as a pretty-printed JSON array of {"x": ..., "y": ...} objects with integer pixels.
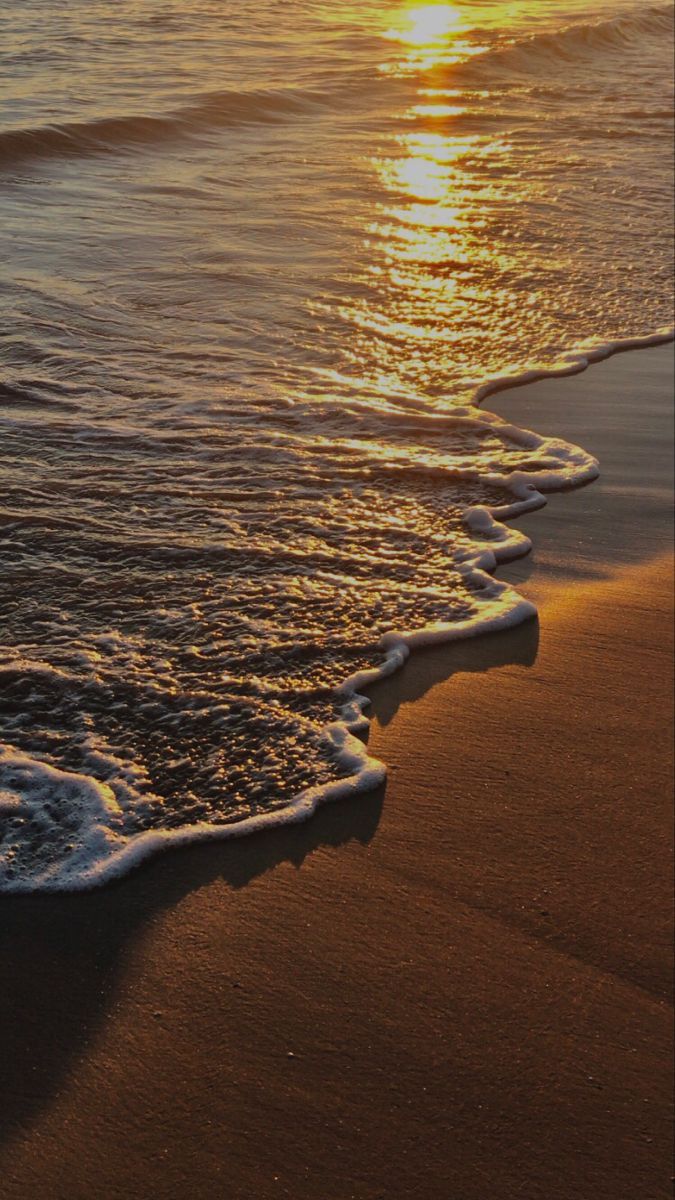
[
  {"x": 112, "y": 134},
  {"x": 535, "y": 55}
]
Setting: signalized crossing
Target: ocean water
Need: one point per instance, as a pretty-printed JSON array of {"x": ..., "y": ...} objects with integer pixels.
[{"x": 260, "y": 265}]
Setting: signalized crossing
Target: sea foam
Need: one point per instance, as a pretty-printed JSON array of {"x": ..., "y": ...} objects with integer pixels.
[{"x": 74, "y": 829}]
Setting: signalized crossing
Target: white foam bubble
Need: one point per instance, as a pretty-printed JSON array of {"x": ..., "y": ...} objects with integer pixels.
[
  {"x": 70, "y": 826},
  {"x": 574, "y": 361}
]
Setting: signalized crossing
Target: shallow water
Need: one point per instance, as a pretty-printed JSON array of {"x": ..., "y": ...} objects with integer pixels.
[{"x": 259, "y": 262}]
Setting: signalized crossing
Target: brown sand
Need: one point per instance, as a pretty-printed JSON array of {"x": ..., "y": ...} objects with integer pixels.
[{"x": 457, "y": 992}]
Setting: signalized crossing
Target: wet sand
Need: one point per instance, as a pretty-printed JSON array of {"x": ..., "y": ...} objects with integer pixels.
[{"x": 459, "y": 989}]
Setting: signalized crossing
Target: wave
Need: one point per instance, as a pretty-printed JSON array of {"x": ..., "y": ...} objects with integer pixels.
[
  {"x": 30, "y": 393},
  {"x": 112, "y": 134},
  {"x": 537, "y": 54},
  {"x": 222, "y": 109},
  {"x": 80, "y": 822},
  {"x": 80, "y": 816}
]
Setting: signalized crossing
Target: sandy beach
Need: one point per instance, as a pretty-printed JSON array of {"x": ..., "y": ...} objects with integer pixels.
[{"x": 445, "y": 991}]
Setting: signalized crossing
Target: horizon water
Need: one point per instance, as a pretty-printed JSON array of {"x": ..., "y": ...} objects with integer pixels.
[{"x": 262, "y": 265}]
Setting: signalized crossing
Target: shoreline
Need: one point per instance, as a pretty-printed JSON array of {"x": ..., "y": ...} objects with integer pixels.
[
  {"x": 504, "y": 607},
  {"x": 459, "y": 987},
  {"x": 575, "y": 362}
]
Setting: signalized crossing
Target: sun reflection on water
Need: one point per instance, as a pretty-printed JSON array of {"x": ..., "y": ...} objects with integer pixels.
[
  {"x": 427, "y": 24},
  {"x": 433, "y": 259},
  {"x": 432, "y": 35}
]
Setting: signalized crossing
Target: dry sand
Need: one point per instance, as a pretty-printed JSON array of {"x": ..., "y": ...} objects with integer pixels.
[{"x": 456, "y": 991}]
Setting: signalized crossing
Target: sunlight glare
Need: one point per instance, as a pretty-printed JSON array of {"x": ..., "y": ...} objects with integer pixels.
[{"x": 430, "y": 24}]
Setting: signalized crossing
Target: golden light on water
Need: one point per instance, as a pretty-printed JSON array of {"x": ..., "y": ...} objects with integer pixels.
[
  {"x": 423, "y": 177},
  {"x": 438, "y": 255},
  {"x": 432, "y": 35},
  {"x": 436, "y": 261},
  {"x": 437, "y": 110},
  {"x": 430, "y": 23}
]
